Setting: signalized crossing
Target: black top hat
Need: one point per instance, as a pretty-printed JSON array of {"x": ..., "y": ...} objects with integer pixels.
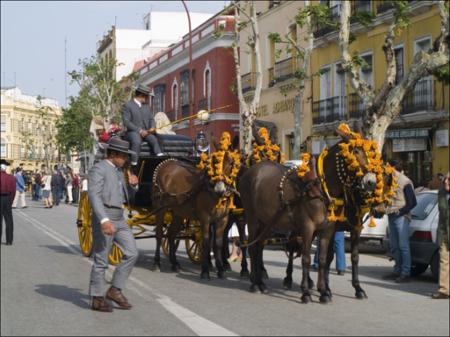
[
  {"x": 142, "y": 89},
  {"x": 4, "y": 162},
  {"x": 117, "y": 144}
]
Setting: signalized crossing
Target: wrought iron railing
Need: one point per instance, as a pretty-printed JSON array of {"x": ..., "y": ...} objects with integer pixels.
[
  {"x": 330, "y": 110},
  {"x": 248, "y": 82},
  {"x": 282, "y": 70},
  {"x": 384, "y": 6},
  {"x": 355, "y": 106},
  {"x": 420, "y": 98},
  {"x": 322, "y": 29}
]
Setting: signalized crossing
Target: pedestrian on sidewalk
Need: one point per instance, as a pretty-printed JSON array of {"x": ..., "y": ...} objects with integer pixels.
[
  {"x": 47, "y": 189},
  {"x": 7, "y": 194},
  {"x": 20, "y": 189},
  {"x": 69, "y": 187},
  {"x": 107, "y": 195},
  {"x": 57, "y": 183},
  {"x": 443, "y": 239},
  {"x": 399, "y": 216},
  {"x": 76, "y": 188},
  {"x": 339, "y": 250}
]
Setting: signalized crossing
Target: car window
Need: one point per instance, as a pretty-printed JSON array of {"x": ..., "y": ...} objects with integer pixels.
[{"x": 425, "y": 204}]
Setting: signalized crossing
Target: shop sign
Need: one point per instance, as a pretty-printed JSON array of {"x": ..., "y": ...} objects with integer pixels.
[
  {"x": 406, "y": 133},
  {"x": 442, "y": 138},
  {"x": 408, "y": 144}
]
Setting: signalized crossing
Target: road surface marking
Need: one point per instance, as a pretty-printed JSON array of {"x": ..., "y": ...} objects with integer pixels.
[{"x": 198, "y": 324}]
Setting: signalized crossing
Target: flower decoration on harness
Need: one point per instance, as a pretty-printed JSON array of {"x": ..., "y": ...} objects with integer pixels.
[
  {"x": 214, "y": 164},
  {"x": 267, "y": 150},
  {"x": 304, "y": 167},
  {"x": 374, "y": 165}
]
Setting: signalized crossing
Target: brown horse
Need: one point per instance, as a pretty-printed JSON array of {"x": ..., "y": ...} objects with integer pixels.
[
  {"x": 189, "y": 194},
  {"x": 276, "y": 198}
]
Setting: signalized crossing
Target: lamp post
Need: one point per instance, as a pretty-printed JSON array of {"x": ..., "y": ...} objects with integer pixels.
[{"x": 191, "y": 98}]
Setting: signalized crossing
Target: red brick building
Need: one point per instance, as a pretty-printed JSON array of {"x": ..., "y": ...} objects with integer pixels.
[{"x": 167, "y": 74}]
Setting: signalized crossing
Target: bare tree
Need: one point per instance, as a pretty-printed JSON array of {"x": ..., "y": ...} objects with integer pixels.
[
  {"x": 383, "y": 106},
  {"x": 246, "y": 10}
]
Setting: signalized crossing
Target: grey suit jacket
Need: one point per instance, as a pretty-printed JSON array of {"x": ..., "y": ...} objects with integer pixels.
[
  {"x": 106, "y": 186},
  {"x": 135, "y": 118}
]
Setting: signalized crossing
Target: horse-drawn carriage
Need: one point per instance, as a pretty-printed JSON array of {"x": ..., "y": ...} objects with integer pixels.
[{"x": 140, "y": 212}]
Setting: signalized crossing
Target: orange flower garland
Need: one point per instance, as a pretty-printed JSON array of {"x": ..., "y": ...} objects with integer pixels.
[
  {"x": 304, "y": 167},
  {"x": 266, "y": 150}
]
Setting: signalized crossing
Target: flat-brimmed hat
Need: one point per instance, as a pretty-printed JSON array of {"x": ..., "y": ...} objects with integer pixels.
[
  {"x": 118, "y": 144},
  {"x": 142, "y": 89},
  {"x": 4, "y": 162}
]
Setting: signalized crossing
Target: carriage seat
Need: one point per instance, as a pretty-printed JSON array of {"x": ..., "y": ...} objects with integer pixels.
[{"x": 172, "y": 145}]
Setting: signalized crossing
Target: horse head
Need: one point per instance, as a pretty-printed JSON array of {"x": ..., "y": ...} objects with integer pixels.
[{"x": 308, "y": 175}]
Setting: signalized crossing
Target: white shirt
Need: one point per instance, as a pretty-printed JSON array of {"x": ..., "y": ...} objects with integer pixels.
[{"x": 137, "y": 102}]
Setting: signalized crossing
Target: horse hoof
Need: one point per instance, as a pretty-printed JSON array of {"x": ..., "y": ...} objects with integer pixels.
[
  {"x": 324, "y": 299},
  {"x": 245, "y": 273},
  {"x": 252, "y": 288},
  {"x": 155, "y": 267},
  {"x": 263, "y": 289},
  {"x": 306, "y": 298},
  {"x": 361, "y": 295},
  {"x": 221, "y": 275},
  {"x": 287, "y": 283},
  {"x": 205, "y": 276}
]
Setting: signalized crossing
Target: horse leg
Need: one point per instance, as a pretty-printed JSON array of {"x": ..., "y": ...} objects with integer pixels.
[
  {"x": 241, "y": 228},
  {"x": 159, "y": 233},
  {"x": 260, "y": 270},
  {"x": 325, "y": 259},
  {"x": 359, "y": 292},
  {"x": 287, "y": 282},
  {"x": 206, "y": 254},
  {"x": 307, "y": 236},
  {"x": 173, "y": 231},
  {"x": 225, "y": 249},
  {"x": 219, "y": 234}
]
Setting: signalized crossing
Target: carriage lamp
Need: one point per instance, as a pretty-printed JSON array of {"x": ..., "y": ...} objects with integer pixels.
[{"x": 201, "y": 143}]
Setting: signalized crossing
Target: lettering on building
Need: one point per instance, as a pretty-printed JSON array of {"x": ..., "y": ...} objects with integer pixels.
[{"x": 286, "y": 105}]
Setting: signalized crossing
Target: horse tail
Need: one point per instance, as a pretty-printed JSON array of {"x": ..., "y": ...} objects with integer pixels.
[{"x": 260, "y": 236}]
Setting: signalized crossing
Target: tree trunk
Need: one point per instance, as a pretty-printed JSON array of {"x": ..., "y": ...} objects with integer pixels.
[{"x": 297, "y": 125}]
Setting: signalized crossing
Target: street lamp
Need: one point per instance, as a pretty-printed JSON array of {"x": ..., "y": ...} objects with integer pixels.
[{"x": 191, "y": 98}]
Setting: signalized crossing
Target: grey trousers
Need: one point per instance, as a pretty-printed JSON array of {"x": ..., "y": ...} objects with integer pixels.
[
  {"x": 124, "y": 238},
  {"x": 136, "y": 141}
]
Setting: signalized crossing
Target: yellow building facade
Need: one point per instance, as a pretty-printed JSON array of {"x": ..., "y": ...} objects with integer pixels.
[
  {"x": 278, "y": 94},
  {"x": 28, "y": 130},
  {"x": 418, "y": 138}
]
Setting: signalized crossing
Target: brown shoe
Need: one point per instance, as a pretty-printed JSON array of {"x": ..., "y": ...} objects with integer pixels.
[
  {"x": 439, "y": 296},
  {"x": 100, "y": 304},
  {"x": 116, "y": 295}
]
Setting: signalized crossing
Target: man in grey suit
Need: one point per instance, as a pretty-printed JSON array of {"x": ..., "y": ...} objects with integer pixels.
[
  {"x": 107, "y": 194},
  {"x": 140, "y": 123}
]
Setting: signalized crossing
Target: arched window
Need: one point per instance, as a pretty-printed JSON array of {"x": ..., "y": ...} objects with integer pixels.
[
  {"x": 175, "y": 99},
  {"x": 207, "y": 85}
]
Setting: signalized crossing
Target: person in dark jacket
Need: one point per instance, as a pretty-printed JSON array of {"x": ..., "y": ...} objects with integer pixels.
[
  {"x": 58, "y": 185},
  {"x": 399, "y": 216},
  {"x": 7, "y": 193},
  {"x": 443, "y": 239},
  {"x": 140, "y": 124}
]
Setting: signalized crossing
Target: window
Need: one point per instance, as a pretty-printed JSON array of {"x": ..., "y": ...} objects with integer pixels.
[
  {"x": 325, "y": 92},
  {"x": 423, "y": 91},
  {"x": 366, "y": 71},
  {"x": 184, "y": 88},
  {"x": 399, "y": 64},
  {"x": 207, "y": 82},
  {"x": 339, "y": 88},
  {"x": 3, "y": 124},
  {"x": 158, "y": 100},
  {"x": 3, "y": 152},
  {"x": 175, "y": 99}
]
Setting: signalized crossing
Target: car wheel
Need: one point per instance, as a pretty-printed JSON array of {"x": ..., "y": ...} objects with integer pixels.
[
  {"x": 418, "y": 269},
  {"x": 434, "y": 265}
]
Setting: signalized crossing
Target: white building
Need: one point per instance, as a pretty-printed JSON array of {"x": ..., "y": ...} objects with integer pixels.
[{"x": 162, "y": 29}]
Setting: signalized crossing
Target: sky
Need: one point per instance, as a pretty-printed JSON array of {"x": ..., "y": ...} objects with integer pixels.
[{"x": 33, "y": 35}]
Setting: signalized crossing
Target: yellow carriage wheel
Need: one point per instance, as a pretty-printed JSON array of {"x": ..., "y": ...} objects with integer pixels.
[
  {"x": 115, "y": 255},
  {"x": 84, "y": 224},
  {"x": 194, "y": 244}
]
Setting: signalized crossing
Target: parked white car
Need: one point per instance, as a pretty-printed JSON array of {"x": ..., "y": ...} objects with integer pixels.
[
  {"x": 377, "y": 233},
  {"x": 423, "y": 234}
]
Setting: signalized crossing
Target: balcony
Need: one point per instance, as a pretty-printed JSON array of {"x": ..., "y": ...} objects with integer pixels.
[
  {"x": 330, "y": 110},
  {"x": 248, "y": 82},
  {"x": 420, "y": 98},
  {"x": 282, "y": 71},
  {"x": 384, "y": 6},
  {"x": 359, "y": 6},
  {"x": 323, "y": 29},
  {"x": 355, "y": 106}
]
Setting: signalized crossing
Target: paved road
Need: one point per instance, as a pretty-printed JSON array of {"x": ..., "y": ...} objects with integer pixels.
[{"x": 44, "y": 284}]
